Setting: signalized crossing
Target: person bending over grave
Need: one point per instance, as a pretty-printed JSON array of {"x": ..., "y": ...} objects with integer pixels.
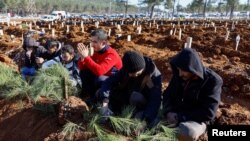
[
  {"x": 31, "y": 48},
  {"x": 69, "y": 61},
  {"x": 192, "y": 97},
  {"x": 137, "y": 84},
  {"x": 98, "y": 67},
  {"x": 53, "y": 50}
]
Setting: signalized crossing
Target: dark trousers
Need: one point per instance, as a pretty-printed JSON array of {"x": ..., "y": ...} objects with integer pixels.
[
  {"x": 90, "y": 82},
  {"x": 120, "y": 100}
]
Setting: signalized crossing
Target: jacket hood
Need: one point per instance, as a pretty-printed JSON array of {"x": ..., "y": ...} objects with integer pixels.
[{"x": 188, "y": 60}]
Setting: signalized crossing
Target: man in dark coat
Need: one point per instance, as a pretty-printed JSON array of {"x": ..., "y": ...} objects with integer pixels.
[
  {"x": 137, "y": 84},
  {"x": 192, "y": 96}
]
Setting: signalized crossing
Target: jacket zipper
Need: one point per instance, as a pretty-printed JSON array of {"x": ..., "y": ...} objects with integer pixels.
[{"x": 184, "y": 91}]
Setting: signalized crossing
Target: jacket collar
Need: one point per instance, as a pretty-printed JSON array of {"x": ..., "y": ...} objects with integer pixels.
[{"x": 103, "y": 50}]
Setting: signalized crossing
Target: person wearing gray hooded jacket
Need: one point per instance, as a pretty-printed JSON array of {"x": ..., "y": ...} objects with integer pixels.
[{"x": 193, "y": 95}]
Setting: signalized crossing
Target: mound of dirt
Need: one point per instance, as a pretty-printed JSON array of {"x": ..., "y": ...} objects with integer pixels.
[
  {"x": 216, "y": 53},
  {"x": 20, "y": 122}
]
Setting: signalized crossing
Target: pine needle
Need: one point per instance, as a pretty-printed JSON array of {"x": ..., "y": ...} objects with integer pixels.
[
  {"x": 169, "y": 132},
  {"x": 110, "y": 137},
  {"x": 94, "y": 126},
  {"x": 127, "y": 112},
  {"x": 159, "y": 133},
  {"x": 70, "y": 129},
  {"x": 124, "y": 126},
  {"x": 49, "y": 83},
  {"x": 11, "y": 84}
]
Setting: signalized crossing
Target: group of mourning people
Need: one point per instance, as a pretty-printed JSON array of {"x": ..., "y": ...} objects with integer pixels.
[{"x": 189, "y": 103}]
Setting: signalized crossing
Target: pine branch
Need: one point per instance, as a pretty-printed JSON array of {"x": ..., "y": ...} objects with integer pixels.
[
  {"x": 11, "y": 84},
  {"x": 127, "y": 112},
  {"x": 50, "y": 83},
  {"x": 124, "y": 126},
  {"x": 70, "y": 129},
  {"x": 94, "y": 126},
  {"x": 159, "y": 133}
]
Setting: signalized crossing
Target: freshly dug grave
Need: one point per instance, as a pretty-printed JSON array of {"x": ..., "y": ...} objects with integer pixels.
[{"x": 233, "y": 66}]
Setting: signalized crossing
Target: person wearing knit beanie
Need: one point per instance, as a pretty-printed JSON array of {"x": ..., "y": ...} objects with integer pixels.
[
  {"x": 133, "y": 62},
  {"x": 137, "y": 84}
]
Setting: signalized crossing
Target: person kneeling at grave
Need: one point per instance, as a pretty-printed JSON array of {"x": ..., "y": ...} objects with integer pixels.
[
  {"x": 30, "y": 67},
  {"x": 53, "y": 49},
  {"x": 69, "y": 61},
  {"x": 95, "y": 69},
  {"x": 137, "y": 84},
  {"x": 192, "y": 97}
]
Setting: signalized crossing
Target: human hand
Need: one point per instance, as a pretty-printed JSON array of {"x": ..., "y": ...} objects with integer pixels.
[
  {"x": 39, "y": 60},
  {"x": 28, "y": 53},
  {"x": 172, "y": 118},
  {"x": 104, "y": 104},
  {"x": 82, "y": 50}
]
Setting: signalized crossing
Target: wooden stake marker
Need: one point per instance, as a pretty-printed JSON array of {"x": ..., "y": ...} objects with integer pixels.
[
  {"x": 53, "y": 32},
  {"x": 43, "y": 30},
  {"x": 119, "y": 28},
  {"x": 109, "y": 33},
  {"x": 180, "y": 32},
  {"x": 185, "y": 45},
  {"x": 67, "y": 31},
  {"x": 129, "y": 38},
  {"x": 171, "y": 32},
  {"x": 237, "y": 42},
  {"x": 81, "y": 24},
  {"x": 174, "y": 31},
  {"x": 227, "y": 35},
  {"x": 189, "y": 42},
  {"x": 30, "y": 25},
  {"x": 1, "y": 32}
]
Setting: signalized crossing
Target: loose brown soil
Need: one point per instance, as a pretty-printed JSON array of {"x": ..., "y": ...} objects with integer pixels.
[{"x": 19, "y": 121}]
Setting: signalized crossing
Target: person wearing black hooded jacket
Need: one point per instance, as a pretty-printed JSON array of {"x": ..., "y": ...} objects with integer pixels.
[
  {"x": 193, "y": 95},
  {"x": 137, "y": 84},
  {"x": 53, "y": 49}
]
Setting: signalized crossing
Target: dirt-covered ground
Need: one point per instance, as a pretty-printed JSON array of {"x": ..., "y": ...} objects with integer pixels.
[{"x": 19, "y": 121}]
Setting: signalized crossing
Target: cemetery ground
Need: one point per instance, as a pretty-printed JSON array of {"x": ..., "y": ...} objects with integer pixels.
[{"x": 215, "y": 41}]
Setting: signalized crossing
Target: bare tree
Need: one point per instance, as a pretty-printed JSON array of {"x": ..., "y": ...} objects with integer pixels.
[
  {"x": 31, "y": 6},
  {"x": 232, "y": 5},
  {"x": 152, "y": 4}
]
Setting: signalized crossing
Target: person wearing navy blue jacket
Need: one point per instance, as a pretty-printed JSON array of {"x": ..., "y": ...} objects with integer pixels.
[
  {"x": 193, "y": 95},
  {"x": 137, "y": 84}
]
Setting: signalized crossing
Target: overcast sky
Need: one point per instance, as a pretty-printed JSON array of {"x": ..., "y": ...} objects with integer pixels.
[{"x": 182, "y": 2}]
